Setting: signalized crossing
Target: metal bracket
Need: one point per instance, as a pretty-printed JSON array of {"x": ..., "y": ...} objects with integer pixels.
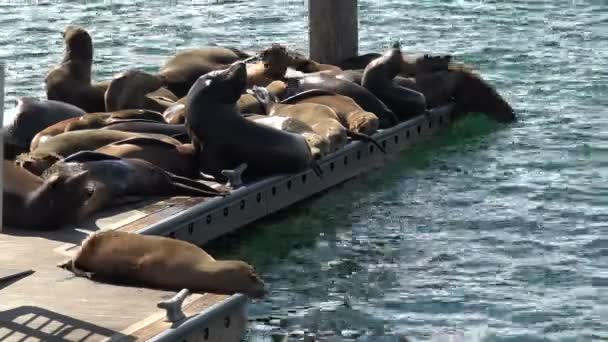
[
  {"x": 173, "y": 306},
  {"x": 234, "y": 176}
]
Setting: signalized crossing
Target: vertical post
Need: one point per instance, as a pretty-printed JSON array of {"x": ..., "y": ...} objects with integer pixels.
[
  {"x": 333, "y": 30},
  {"x": 2, "y": 74}
]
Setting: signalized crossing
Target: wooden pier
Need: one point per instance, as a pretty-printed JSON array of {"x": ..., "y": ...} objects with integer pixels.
[{"x": 41, "y": 302}]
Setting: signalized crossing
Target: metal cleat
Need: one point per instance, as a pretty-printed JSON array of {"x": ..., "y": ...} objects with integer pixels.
[
  {"x": 234, "y": 176},
  {"x": 173, "y": 306}
]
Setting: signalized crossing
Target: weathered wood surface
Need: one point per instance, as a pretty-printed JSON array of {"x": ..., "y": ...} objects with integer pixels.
[
  {"x": 333, "y": 30},
  {"x": 53, "y": 305}
]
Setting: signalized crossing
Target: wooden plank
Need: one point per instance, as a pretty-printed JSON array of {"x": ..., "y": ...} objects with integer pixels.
[{"x": 333, "y": 30}]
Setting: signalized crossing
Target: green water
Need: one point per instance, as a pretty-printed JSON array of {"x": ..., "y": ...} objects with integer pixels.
[{"x": 488, "y": 232}]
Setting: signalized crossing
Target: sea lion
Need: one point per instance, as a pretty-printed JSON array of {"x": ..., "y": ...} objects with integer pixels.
[
  {"x": 129, "y": 177},
  {"x": 231, "y": 140},
  {"x": 306, "y": 65},
  {"x": 248, "y": 103},
  {"x": 65, "y": 144},
  {"x": 351, "y": 115},
  {"x": 319, "y": 146},
  {"x": 321, "y": 118},
  {"x": 71, "y": 81},
  {"x": 412, "y": 64},
  {"x": 49, "y": 132},
  {"x": 132, "y": 89},
  {"x": 99, "y": 120},
  {"x": 183, "y": 69},
  {"x": 179, "y": 159},
  {"x": 272, "y": 66},
  {"x": 378, "y": 78},
  {"x": 161, "y": 263},
  {"x": 31, "y": 116},
  {"x": 363, "y": 97},
  {"x": 33, "y": 203},
  {"x": 177, "y": 131}
]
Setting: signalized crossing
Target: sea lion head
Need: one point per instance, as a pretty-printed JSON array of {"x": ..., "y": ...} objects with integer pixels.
[
  {"x": 276, "y": 60},
  {"x": 78, "y": 43},
  {"x": 223, "y": 86},
  {"x": 61, "y": 194},
  {"x": 234, "y": 276}
]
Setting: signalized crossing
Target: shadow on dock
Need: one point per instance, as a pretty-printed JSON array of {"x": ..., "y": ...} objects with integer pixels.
[{"x": 27, "y": 322}]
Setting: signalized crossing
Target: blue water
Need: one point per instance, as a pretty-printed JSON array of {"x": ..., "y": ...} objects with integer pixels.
[{"x": 490, "y": 233}]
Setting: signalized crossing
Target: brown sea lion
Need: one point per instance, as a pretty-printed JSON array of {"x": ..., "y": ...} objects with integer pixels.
[
  {"x": 183, "y": 69},
  {"x": 99, "y": 120},
  {"x": 378, "y": 78},
  {"x": 65, "y": 144},
  {"x": 412, "y": 64},
  {"x": 175, "y": 114},
  {"x": 319, "y": 146},
  {"x": 130, "y": 176},
  {"x": 351, "y": 115},
  {"x": 362, "y": 96},
  {"x": 70, "y": 82},
  {"x": 179, "y": 159},
  {"x": 162, "y": 263},
  {"x": 33, "y": 203},
  {"x": 306, "y": 65},
  {"x": 49, "y": 132},
  {"x": 31, "y": 116},
  {"x": 272, "y": 67},
  {"x": 248, "y": 103},
  {"x": 132, "y": 89},
  {"x": 322, "y": 119},
  {"x": 231, "y": 140},
  {"x": 177, "y": 131}
]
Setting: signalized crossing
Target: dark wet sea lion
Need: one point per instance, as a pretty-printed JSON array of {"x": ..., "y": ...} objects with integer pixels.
[
  {"x": 131, "y": 90},
  {"x": 322, "y": 119},
  {"x": 231, "y": 140},
  {"x": 65, "y": 144},
  {"x": 319, "y": 146},
  {"x": 378, "y": 78},
  {"x": 183, "y": 69},
  {"x": 359, "y": 94},
  {"x": 351, "y": 115},
  {"x": 33, "y": 203},
  {"x": 31, "y": 116},
  {"x": 71, "y": 81},
  {"x": 129, "y": 176},
  {"x": 179, "y": 159},
  {"x": 163, "y": 263},
  {"x": 99, "y": 120}
]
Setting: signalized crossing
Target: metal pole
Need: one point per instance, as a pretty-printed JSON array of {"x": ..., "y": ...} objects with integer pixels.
[
  {"x": 2, "y": 74},
  {"x": 333, "y": 30}
]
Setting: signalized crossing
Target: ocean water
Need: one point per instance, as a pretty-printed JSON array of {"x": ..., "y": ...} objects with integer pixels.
[{"x": 485, "y": 233}]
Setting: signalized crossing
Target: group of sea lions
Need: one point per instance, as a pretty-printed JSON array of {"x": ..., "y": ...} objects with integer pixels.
[{"x": 214, "y": 114}]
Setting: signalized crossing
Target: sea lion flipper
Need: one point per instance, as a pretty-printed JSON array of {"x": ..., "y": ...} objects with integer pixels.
[
  {"x": 192, "y": 183},
  {"x": 364, "y": 137},
  {"x": 142, "y": 140},
  {"x": 69, "y": 265},
  {"x": 84, "y": 156},
  {"x": 307, "y": 94}
]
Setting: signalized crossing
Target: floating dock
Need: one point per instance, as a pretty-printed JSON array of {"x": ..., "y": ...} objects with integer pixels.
[{"x": 51, "y": 304}]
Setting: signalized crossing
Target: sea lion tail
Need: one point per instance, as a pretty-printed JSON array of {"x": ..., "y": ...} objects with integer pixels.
[{"x": 364, "y": 137}]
